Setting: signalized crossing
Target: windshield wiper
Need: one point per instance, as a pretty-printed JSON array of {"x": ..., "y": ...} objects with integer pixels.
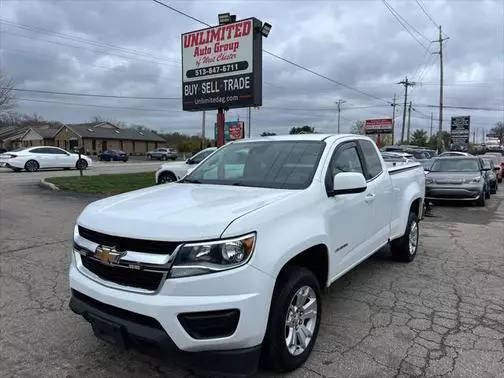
[{"x": 190, "y": 181}]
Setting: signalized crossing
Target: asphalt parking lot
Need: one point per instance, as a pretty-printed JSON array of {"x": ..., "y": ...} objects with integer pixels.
[{"x": 443, "y": 314}]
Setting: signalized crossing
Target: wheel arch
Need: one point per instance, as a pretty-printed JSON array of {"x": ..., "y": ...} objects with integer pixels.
[{"x": 315, "y": 259}]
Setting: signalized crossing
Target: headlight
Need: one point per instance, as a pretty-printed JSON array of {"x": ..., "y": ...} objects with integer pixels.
[
  {"x": 429, "y": 180},
  {"x": 211, "y": 257},
  {"x": 473, "y": 180}
]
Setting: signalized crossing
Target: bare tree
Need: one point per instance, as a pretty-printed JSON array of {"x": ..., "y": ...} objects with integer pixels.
[{"x": 7, "y": 98}]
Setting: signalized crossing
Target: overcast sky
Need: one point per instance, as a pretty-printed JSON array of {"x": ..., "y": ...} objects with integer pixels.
[{"x": 132, "y": 48}]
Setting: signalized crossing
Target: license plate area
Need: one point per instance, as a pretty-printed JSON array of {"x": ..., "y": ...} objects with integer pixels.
[{"x": 108, "y": 331}]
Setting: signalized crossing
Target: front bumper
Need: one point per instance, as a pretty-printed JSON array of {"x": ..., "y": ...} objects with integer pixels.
[
  {"x": 456, "y": 193},
  {"x": 245, "y": 289},
  {"x": 145, "y": 334}
]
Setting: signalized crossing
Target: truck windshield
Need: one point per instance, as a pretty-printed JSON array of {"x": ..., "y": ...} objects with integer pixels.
[
  {"x": 455, "y": 165},
  {"x": 268, "y": 164}
]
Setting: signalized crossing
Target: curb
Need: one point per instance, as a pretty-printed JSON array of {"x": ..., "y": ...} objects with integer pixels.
[{"x": 43, "y": 183}]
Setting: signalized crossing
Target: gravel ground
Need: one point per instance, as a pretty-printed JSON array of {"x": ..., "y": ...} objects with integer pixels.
[{"x": 443, "y": 314}]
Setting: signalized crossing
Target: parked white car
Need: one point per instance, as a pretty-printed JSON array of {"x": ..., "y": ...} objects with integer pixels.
[
  {"x": 34, "y": 158},
  {"x": 170, "y": 172},
  {"x": 227, "y": 264}
]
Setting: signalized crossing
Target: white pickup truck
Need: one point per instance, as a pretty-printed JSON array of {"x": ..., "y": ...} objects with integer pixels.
[{"x": 226, "y": 265}]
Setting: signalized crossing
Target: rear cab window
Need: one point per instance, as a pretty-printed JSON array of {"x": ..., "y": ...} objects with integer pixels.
[{"x": 371, "y": 159}]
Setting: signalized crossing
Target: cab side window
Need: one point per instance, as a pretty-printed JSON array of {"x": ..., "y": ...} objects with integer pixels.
[
  {"x": 345, "y": 159},
  {"x": 371, "y": 159}
]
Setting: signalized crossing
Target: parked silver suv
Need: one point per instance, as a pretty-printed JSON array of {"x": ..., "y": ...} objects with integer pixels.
[
  {"x": 162, "y": 154},
  {"x": 457, "y": 178}
]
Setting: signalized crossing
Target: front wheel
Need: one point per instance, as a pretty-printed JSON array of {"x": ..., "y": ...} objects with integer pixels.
[
  {"x": 81, "y": 164},
  {"x": 405, "y": 248},
  {"x": 32, "y": 166},
  {"x": 166, "y": 177},
  {"x": 481, "y": 200},
  {"x": 294, "y": 320}
]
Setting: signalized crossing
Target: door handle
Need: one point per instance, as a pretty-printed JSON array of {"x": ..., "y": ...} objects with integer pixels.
[{"x": 370, "y": 198}]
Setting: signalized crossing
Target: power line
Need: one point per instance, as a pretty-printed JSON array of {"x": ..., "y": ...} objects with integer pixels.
[
  {"x": 97, "y": 106},
  {"x": 422, "y": 7},
  {"x": 75, "y": 38},
  {"x": 92, "y": 94},
  {"x": 89, "y": 48},
  {"x": 398, "y": 17},
  {"x": 281, "y": 58}
]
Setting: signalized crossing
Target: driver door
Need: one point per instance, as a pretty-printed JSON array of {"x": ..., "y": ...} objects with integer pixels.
[{"x": 347, "y": 215}]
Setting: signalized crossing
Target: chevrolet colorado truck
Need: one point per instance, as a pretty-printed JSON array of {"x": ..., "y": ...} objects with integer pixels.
[{"x": 225, "y": 267}]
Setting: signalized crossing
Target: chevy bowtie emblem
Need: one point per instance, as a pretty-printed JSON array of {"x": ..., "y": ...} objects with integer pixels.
[{"x": 109, "y": 255}]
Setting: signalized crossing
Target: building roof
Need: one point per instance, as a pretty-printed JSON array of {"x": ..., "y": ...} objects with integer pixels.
[
  {"x": 7, "y": 132},
  {"x": 46, "y": 132},
  {"x": 94, "y": 130}
]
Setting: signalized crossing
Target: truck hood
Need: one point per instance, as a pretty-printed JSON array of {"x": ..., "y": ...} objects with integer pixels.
[{"x": 176, "y": 212}]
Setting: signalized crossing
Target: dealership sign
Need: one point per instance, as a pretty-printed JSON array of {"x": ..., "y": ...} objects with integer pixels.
[
  {"x": 460, "y": 129},
  {"x": 378, "y": 126},
  {"x": 222, "y": 66},
  {"x": 233, "y": 130}
]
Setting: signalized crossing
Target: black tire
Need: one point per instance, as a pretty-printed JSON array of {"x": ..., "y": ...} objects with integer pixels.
[
  {"x": 166, "y": 177},
  {"x": 402, "y": 249},
  {"x": 487, "y": 193},
  {"x": 481, "y": 199},
  {"x": 31, "y": 166},
  {"x": 149, "y": 157},
  {"x": 494, "y": 188},
  {"x": 500, "y": 180},
  {"x": 100, "y": 158},
  {"x": 275, "y": 354},
  {"x": 163, "y": 157},
  {"x": 81, "y": 164}
]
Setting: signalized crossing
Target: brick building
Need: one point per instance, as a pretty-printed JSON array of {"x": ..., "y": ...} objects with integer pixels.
[{"x": 100, "y": 136}]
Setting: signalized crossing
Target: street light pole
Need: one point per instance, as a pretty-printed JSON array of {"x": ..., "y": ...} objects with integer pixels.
[{"x": 339, "y": 102}]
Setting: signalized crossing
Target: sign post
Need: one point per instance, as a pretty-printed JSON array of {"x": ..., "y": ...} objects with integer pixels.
[{"x": 381, "y": 128}]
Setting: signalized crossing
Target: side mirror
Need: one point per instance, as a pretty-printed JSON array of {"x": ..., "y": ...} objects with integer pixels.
[
  {"x": 189, "y": 161},
  {"x": 348, "y": 183}
]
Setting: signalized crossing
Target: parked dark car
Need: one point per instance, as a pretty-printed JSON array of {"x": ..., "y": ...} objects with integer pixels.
[
  {"x": 491, "y": 174},
  {"x": 113, "y": 155}
]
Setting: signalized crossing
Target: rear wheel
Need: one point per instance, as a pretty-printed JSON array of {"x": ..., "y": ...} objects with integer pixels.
[
  {"x": 487, "y": 192},
  {"x": 81, "y": 164},
  {"x": 294, "y": 319},
  {"x": 149, "y": 156},
  {"x": 32, "y": 166},
  {"x": 163, "y": 157},
  {"x": 166, "y": 177},
  {"x": 405, "y": 248}
]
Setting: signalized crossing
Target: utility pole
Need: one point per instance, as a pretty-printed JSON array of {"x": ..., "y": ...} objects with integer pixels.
[
  {"x": 393, "y": 117},
  {"x": 440, "y": 52},
  {"x": 340, "y": 101},
  {"x": 431, "y": 119},
  {"x": 474, "y": 136},
  {"x": 406, "y": 84},
  {"x": 409, "y": 122},
  {"x": 249, "y": 122}
]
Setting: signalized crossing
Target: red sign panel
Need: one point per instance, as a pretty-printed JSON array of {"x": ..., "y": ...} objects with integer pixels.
[{"x": 378, "y": 126}]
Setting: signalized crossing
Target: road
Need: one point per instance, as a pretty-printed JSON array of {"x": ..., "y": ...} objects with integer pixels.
[
  {"x": 9, "y": 176},
  {"x": 443, "y": 314}
]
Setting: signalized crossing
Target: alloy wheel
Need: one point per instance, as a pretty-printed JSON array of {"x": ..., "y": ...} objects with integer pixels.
[
  {"x": 301, "y": 320},
  {"x": 413, "y": 238}
]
